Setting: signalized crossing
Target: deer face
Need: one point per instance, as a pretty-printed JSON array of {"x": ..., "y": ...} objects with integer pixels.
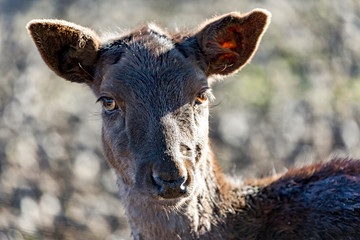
[
  {"x": 155, "y": 110},
  {"x": 155, "y": 92}
]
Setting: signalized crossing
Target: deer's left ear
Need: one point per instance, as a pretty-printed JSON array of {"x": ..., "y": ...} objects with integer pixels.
[
  {"x": 228, "y": 42},
  {"x": 68, "y": 49}
]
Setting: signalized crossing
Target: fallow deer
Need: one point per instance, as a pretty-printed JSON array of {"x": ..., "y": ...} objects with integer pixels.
[{"x": 155, "y": 88}]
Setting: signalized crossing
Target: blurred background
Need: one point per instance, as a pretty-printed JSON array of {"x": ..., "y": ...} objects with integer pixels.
[{"x": 297, "y": 102}]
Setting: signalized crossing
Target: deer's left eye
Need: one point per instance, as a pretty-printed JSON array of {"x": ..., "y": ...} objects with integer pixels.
[
  {"x": 201, "y": 98},
  {"x": 109, "y": 104}
]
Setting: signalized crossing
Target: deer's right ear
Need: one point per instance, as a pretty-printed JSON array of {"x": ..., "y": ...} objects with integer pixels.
[{"x": 68, "y": 49}]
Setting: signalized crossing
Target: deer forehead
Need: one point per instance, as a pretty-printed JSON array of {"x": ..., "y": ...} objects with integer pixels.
[{"x": 149, "y": 67}]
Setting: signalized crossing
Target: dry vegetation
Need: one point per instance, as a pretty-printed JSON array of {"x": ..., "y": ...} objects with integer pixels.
[{"x": 298, "y": 100}]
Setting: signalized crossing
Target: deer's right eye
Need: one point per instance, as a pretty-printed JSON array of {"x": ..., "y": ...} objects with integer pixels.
[{"x": 109, "y": 104}]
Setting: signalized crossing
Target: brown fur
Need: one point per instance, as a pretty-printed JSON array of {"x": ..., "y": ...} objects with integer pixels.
[
  {"x": 246, "y": 30},
  {"x": 77, "y": 40},
  {"x": 156, "y": 136}
]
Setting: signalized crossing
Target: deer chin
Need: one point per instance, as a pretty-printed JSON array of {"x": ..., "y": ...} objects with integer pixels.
[{"x": 157, "y": 200}]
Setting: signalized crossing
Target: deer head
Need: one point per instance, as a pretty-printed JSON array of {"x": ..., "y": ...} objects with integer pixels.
[{"x": 155, "y": 90}]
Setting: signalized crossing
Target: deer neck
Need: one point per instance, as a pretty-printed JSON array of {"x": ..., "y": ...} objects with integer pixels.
[{"x": 206, "y": 211}]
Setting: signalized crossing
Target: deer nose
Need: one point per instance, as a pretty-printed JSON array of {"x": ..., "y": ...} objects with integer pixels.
[{"x": 170, "y": 186}]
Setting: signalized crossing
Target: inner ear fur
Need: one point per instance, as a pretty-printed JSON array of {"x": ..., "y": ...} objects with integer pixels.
[
  {"x": 229, "y": 42},
  {"x": 68, "y": 49}
]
